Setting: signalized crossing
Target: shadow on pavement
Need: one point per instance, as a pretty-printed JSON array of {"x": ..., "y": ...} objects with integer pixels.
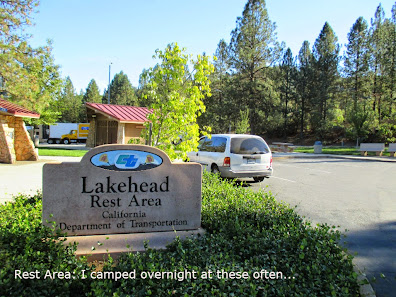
[{"x": 376, "y": 256}]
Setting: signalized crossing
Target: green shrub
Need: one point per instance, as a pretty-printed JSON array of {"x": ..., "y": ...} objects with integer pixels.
[{"x": 27, "y": 246}]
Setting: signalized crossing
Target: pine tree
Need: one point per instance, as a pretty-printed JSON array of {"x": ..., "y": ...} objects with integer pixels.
[
  {"x": 304, "y": 84},
  {"x": 356, "y": 62},
  {"x": 221, "y": 111},
  {"x": 92, "y": 93},
  {"x": 377, "y": 64},
  {"x": 121, "y": 91},
  {"x": 254, "y": 48},
  {"x": 356, "y": 69},
  {"x": 288, "y": 85},
  {"x": 325, "y": 53},
  {"x": 70, "y": 103}
]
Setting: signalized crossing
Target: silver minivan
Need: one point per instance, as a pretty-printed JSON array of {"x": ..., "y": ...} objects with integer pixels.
[{"x": 234, "y": 156}]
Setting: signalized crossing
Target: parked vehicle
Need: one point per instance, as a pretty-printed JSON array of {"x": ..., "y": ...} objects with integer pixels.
[
  {"x": 234, "y": 156},
  {"x": 78, "y": 135},
  {"x": 67, "y": 133}
]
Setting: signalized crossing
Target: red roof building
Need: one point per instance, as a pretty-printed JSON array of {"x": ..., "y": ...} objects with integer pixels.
[
  {"x": 15, "y": 142},
  {"x": 12, "y": 109},
  {"x": 110, "y": 123}
]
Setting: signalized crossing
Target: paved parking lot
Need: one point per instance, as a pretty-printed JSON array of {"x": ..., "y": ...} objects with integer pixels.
[{"x": 356, "y": 195}]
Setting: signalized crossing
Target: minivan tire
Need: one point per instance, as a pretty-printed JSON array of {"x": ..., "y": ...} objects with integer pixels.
[{"x": 215, "y": 169}]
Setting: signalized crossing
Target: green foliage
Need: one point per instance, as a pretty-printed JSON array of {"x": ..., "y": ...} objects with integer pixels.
[
  {"x": 70, "y": 104},
  {"x": 242, "y": 126},
  {"x": 28, "y": 75},
  {"x": 252, "y": 50},
  {"x": 176, "y": 95},
  {"x": 121, "y": 91},
  {"x": 26, "y": 245},
  {"x": 92, "y": 93},
  {"x": 325, "y": 67}
]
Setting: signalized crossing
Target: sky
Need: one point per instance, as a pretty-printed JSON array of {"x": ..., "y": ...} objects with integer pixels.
[{"x": 91, "y": 37}]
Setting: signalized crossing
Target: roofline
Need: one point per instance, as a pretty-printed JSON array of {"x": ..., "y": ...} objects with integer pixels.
[
  {"x": 88, "y": 105},
  {"x": 132, "y": 122},
  {"x": 21, "y": 115}
]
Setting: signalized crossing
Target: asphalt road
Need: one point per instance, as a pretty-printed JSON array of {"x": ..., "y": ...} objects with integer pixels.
[{"x": 356, "y": 195}]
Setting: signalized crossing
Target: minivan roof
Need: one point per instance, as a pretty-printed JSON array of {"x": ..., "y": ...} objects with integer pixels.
[{"x": 235, "y": 135}]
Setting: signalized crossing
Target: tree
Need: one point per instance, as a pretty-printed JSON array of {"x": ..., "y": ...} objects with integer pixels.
[
  {"x": 356, "y": 69},
  {"x": 379, "y": 61},
  {"x": 221, "y": 110},
  {"x": 177, "y": 94},
  {"x": 325, "y": 53},
  {"x": 356, "y": 62},
  {"x": 304, "y": 83},
  {"x": 121, "y": 91},
  {"x": 29, "y": 76},
  {"x": 254, "y": 48},
  {"x": 92, "y": 93},
  {"x": 288, "y": 85},
  {"x": 70, "y": 103}
]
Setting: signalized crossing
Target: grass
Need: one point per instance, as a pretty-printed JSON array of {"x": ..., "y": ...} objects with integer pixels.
[
  {"x": 61, "y": 152},
  {"x": 336, "y": 150}
]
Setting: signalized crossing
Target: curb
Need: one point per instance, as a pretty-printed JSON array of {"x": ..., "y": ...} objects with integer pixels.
[
  {"x": 365, "y": 288},
  {"x": 305, "y": 155}
]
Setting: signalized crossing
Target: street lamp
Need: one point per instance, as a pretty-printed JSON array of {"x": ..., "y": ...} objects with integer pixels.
[{"x": 108, "y": 97}]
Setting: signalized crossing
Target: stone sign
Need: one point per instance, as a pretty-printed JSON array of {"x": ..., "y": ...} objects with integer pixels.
[{"x": 122, "y": 189}]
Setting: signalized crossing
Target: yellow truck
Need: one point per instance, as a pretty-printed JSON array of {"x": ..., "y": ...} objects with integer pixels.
[{"x": 77, "y": 135}]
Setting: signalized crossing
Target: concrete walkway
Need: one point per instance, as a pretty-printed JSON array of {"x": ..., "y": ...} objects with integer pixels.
[{"x": 25, "y": 176}]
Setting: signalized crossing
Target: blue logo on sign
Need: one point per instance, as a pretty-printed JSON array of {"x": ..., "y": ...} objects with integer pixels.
[
  {"x": 126, "y": 161},
  {"x": 132, "y": 160}
]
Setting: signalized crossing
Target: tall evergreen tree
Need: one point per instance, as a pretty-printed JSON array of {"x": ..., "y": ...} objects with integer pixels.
[
  {"x": 377, "y": 37},
  {"x": 326, "y": 59},
  {"x": 390, "y": 63},
  {"x": 304, "y": 84},
  {"x": 356, "y": 62},
  {"x": 254, "y": 48},
  {"x": 121, "y": 91},
  {"x": 288, "y": 85},
  {"x": 92, "y": 93},
  {"x": 221, "y": 110},
  {"x": 70, "y": 103},
  {"x": 356, "y": 69}
]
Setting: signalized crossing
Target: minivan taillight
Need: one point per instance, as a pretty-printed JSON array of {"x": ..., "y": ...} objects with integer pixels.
[
  {"x": 271, "y": 162},
  {"x": 227, "y": 162}
]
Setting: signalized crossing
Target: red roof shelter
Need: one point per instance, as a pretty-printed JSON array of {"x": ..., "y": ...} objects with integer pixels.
[
  {"x": 12, "y": 109},
  {"x": 110, "y": 123},
  {"x": 15, "y": 142},
  {"x": 121, "y": 113}
]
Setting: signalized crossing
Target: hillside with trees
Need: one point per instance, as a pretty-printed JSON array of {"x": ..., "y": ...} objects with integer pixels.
[
  {"x": 326, "y": 91},
  {"x": 319, "y": 93}
]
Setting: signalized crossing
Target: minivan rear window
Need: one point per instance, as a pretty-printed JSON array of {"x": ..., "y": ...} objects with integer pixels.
[{"x": 249, "y": 145}]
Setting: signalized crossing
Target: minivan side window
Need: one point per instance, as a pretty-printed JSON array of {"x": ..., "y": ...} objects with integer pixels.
[
  {"x": 219, "y": 144},
  {"x": 215, "y": 144}
]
